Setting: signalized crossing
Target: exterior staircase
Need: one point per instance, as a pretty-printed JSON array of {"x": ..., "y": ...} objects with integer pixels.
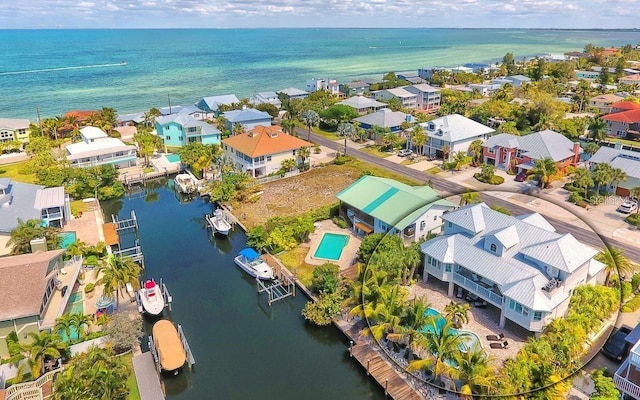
[{"x": 40, "y": 389}]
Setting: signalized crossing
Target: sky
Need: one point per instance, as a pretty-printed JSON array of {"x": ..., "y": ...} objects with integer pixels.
[{"x": 566, "y": 14}]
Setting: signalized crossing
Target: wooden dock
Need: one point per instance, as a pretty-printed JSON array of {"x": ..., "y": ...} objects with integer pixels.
[
  {"x": 148, "y": 380},
  {"x": 281, "y": 287}
]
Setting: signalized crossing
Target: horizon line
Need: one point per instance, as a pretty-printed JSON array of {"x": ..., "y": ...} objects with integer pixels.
[{"x": 315, "y": 28}]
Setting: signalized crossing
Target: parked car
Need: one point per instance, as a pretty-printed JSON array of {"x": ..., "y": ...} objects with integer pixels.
[
  {"x": 628, "y": 206},
  {"x": 405, "y": 152},
  {"x": 616, "y": 348},
  {"x": 521, "y": 177}
]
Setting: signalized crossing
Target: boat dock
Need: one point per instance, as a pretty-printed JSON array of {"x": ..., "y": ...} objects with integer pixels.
[
  {"x": 149, "y": 384},
  {"x": 279, "y": 288},
  {"x": 224, "y": 215},
  {"x": 168, "y": 299},
  {"x": 141, "y": 178},
  {"x": 185, "y": 345},
  {"x": 129, "y": 225}
]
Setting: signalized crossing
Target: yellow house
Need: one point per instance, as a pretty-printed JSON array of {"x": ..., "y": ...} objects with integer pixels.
[{"x": 14, "y": 130}]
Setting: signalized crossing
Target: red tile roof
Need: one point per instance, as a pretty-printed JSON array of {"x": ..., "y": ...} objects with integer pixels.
[
  {"x": 629, "y": 117},
  {"x": 81, "y": 115},
  {"x": 626, "y": 105},
  {"x": 265, "y": 140}
]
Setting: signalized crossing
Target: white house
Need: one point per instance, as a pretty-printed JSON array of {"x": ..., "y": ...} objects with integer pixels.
[
  {"x": 316, "y": 84},
  {"x": 381, "y": 205},
  {"x": 406, "y": 98},
  {"x": 626, "y": 160},
  {"x": 519, "y": 265},
  {"x": 262, "y": 150},
  {"x": 97, "y": 148},
  {"x": 453, "y": 132},
  {"x": 427, "y": 97}
]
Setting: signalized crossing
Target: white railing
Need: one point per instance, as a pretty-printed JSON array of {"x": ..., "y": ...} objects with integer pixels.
[
  {"x": 30, "y": 390},
  {"x": 634, "y": 355},
  {"x": 625, "y": 385},
  {"x": 477, "y": 289},
  {"x": 102, "y": 160}
]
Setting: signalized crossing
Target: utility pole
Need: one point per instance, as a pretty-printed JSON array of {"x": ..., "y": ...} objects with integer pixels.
[
  {"x": 169, "y": 98},
  {"x": 39, "y": 121}
]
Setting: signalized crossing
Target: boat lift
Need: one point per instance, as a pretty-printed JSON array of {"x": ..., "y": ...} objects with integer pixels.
[
  {"x": 279, "y": 288},
  {"x": 225, "y": 215},
  {"x": 129, "y": 225},
  {"x": 168, "y": 299},
  {"x": 185, "y": 345}
]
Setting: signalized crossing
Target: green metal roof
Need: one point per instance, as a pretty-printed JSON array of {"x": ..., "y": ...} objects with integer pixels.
[{"x": 390, "y": 201}]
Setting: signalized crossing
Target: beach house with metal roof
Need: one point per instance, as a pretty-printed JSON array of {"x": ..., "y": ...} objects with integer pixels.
[
  {"x": 406, "y": 98},
  {"x": 453, "y": 133},
  {"x": 12, "y": 129},
  {"x": 266, "y": 98},
  {"x": 517, "y": 153},
  {"x": 355, "y": 88},
  {"x": 177, "y": 130},
  {"x": 211, "y": 104},
  {"x": 97, "y": 148},
  {"x": 380, "y": 205},
  {"x": 249, "y": 118},
  {"x": 262, "y": 150},
  {"x": 627, "y": 160},
  {"x": 362, "y": 104},
  {"x": 384, "y": 118},
  {"x": 520, "y": 265},
  {"x": 427, "y": 97},
  {"x": 294, "y": 93}
]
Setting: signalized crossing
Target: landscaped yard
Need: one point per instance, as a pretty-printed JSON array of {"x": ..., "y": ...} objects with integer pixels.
[
  {"x": 375, "y": 151},
  {"x": 132, "y": 384},
  {"x": 13, "y": 171},
  {"x": 294, "y": 261}
]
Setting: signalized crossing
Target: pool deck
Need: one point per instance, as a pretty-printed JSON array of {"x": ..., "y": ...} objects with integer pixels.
[{"x": 349, "y": 252}]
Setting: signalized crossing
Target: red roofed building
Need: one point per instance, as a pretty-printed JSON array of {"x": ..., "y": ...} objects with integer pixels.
[
  {"x": 262, "y": 150},
  {"x": 81, "y": 115},
  {"x": 624, "y": 120}
]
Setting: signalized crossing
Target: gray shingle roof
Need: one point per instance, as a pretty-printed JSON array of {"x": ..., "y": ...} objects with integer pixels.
[{"x": 543, "y": 144}]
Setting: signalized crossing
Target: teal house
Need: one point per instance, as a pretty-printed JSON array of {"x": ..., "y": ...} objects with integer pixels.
[
  {"x": 380, "y": 205},
  {"x": 177, "y": 130}
]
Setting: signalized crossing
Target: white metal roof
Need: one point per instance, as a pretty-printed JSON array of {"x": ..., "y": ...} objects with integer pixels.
[
  {"x": 91, "y": 132},
  {"x": 49, "y": 197},
  {"x": 455, "y": 127}
]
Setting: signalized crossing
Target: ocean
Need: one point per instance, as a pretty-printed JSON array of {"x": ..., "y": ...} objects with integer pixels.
[{"x": 54, "y": 71}]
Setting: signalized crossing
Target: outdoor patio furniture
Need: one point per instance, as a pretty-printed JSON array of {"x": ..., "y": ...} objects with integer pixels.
[
  {"x": 501, "y": 345},
  {"x": 480, "y": 303},
  {"x": 495, "y": 338}
]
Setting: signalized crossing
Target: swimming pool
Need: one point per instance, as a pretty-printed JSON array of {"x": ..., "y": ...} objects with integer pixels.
[
  {"x": 173, "y": 158},
  {"x": 331, "y": 246},
  {"x": 68, "y": 238},
  {"x": 75, "y": 296},
  {"x": 73, "y": 334},
  {"x": 468, "y": 338}
]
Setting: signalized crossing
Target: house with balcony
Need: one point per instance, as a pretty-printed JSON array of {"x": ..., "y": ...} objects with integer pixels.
[
  {"x": 249, "y": 118},
  {"x": 14, "y": 130},
  {"x": 411, "y": 76},
  {"x": 518, "y": 265},
  {"x": 602, "y": 103},
  {"x": 453, "y": 133},
  {"x": 428, "y": 98},
  {"x": 381, "y": 205},
  {"x": 191, "y": 110},
  {"x": 178, "y": 130},
  {"x": 98, "y": 148},
  {"x": 330, "y": 85},
  {"x": 262, "y": 150},
  {"x": 294, "y": 93},
  {"x": 627, "y": 376},
  {"x": 266, "y": 98},
  {"x": 354, "y": 88},
  {"x": 35, "y": 290},
  {"x": 518, "y": 153},
  {"x": 211, "y": 104},
  {"x": 384, "y": 118},
  {"x": 626, "y": 160},
  {"x": 624, "y": 120},
  {"x": 406, "y": 98},
  {"x": 362, "y": 104}
]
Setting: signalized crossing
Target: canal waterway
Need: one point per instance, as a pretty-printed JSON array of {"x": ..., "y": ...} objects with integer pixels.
[{"x": 243, "y": 348}]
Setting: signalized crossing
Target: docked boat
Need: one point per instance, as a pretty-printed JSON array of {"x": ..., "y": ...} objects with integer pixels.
[
  {"x": 169, "y": 346},
  {"x": 186, "y": 183},
  {"x": 249, "y": 260},
  {"x": 218, "y": 222},
  {"x": 151, "y": 297}
]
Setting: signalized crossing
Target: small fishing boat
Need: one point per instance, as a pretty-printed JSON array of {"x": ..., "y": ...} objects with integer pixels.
[
  {"x": 169, "y": 346},
  {"x": 151, "y": 297},
  {"x": 186, "y": 183},
  {"x": 249, "y": 260},
  {"x": 218, "y": 222}
]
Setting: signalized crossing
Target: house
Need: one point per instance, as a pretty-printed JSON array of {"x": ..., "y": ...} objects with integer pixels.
[
  {"x": 453, "y": 133},
  {"x": 97, "y": 148},
  {"x": 14, "y": 130},
  {"x": 627, "y": 376},
  {"x": 192, "y": 111},
  {"x": 411, "y": 77},
  {"x": 354, "y": 88},
  {"x": 406, "y": 98},
  {"x": 316, "y": 84},
  {"x": 26, "y": 201},
  {"x": 517, "y": 153},
  {"x": 177, "y": 130},
  {"x": 294, "y": 93},
  {"x": 603, "y": 102},
  {"x": 81, "y": 116},
  {"x": 266, "y": 98},
  {"x": 212, "y": 104},
  {"x": 35, "y": 290},
  {"x": 261, "y": 150},
  {"x": 630, "y": 79},
  {"x": 427, "y": 72},
  {"x": 362, "y": 104},
  {"x": 131, "y": 119},
  {"x": 581, "y": 74},
  {"x": 517, "y": 80},
  {"x": 249, "y": 118},
  {"x": 478, "y": 67},
  {"x": 384, "y": 118},
  {"x": 518, "y": 265},
  {"x": 624, "y": 120},
  {"x": 626, "y": 160},
  {"x": 484, "y": 89},
  {"x": 381, "y": 205},
  {"x": 427, "y": 97}
]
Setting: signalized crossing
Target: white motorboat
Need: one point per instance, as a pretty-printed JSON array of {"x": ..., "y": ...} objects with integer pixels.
[
  {"x": 218, "y": 222},
  {"x": 151, "y": 297},
  {"x": 186, "y": 183},
  {"x": 249, "y": 260}
]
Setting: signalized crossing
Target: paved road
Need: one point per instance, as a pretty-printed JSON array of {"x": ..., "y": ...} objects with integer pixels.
[{"x": 448, "y": 188}]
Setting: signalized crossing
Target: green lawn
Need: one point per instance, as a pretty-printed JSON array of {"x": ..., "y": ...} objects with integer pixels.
[
  {"x": 434, "y": 170},
  {"x": 78, "y": 206},
  {"x": 318, "y": 131},
  {"x": 294, "y": 261},
  {"x": 132, "y": 384},
  {"x": 371, "y": 169},
  {"x": 375, "y": 151},
  {"x": 13, "y": 171}
]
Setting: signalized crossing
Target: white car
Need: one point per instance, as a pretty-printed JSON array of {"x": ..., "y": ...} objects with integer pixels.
[
  {"x": 405, "y": 152},
  {"x": 628, "y": 206}
]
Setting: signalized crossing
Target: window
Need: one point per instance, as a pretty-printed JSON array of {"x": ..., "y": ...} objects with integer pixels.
[
  {"x": 504, "y": 156},
  {"x": 492, "y": 150},
  {"x": 168, "y": 137},
  {"x": 537, "y": 316},
  {"x": 180, "y": 138},
  {"x": 294, "y": 152},
  {"x": 493, "y": 247},
  {"x": 423, "y": 225},
  {"x": 268, "y": 158},
  {"x": 429, "y": 260},
  {"x": 449, "y": 224},
  {"x": 447, "y": 267},
  {"x": 519, "y": 153}
]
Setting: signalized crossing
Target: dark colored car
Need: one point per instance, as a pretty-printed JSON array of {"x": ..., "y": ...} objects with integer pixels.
[
  {"x": 616, "y": 348},
  {"x": 521, "y": 177}
]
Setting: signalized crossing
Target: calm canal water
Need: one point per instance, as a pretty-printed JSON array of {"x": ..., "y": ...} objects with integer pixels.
[{"x": 243, "y": 348}]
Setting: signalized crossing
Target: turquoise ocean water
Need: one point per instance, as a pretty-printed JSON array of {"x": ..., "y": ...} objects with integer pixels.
[{"x": 58, "y": 70}]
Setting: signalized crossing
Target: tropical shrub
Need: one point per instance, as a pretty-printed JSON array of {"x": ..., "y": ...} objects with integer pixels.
[
  {"x": 605, "y": 388},
  {"x": 322, "y": 311},
  {"x": 123, "y": 331},
  {"x": 89, "y": 287},
  {"x": 326, "y": 278},
  {"x": 575, "y": 197},
  {"x": 340, "y": 222},
  {"x": 631, "y": 305},
  {"x": 633, "y": 219},
  {"x": 492, "y": 180},
  {"x": 500, "y": 209}
]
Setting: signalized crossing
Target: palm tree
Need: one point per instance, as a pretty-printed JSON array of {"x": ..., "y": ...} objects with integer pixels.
[
  {"x": 597, "y": 128},
  {"x": 147, "y": 144},
  {"x": 617, "y": 176},
  {"x": 411, "y": 259},
  {"x": 115, "y": 273},
  {"x": 475, "y": 150},
  {"x": 469, "y": 197},
  {"x": 602, "y": 174},
  {"x": 288, "y": 164},
  {"x": 43, "y": 344},
  {"x": 347, "y": 131},
  {"x": 615, "y": 261},
  {"x": 310, "y": 118},
  {"x": 443, "y": 346},
  {"x": 238, "y": 128},
  {"x": 457, "y": 313},
  {"x": 304, "y": 153},
  {"x": 65, "y": 323},
  {"x": 544, "y": 168},
  {"x": 581, "y": 178},
  {"x": 591, "y": 148},
  {"x": 474, "y": 370},
  {"x": 81, "y": 322},
  {"x": 419, "y": 139},
  {"x": 26, "y": 231},
  {"x": 412, "y": 323}
]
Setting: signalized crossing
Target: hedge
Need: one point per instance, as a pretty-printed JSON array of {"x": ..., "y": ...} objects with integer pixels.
[{"x": 631, "y": 305}]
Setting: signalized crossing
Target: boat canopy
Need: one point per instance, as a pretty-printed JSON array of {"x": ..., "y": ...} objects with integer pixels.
[
  {"x": 169, "y": 346},
  {"x": 249, "y": 253}
]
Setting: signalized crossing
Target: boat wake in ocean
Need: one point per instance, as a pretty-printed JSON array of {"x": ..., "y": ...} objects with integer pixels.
[{"x": 34, "y": 71}]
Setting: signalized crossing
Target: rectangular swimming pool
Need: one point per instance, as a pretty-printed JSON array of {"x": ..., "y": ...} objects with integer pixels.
[
  {"x": 173, "y": 158},
  {"x": 331, "y": 246},
  {"x": 68, "y": 238}
]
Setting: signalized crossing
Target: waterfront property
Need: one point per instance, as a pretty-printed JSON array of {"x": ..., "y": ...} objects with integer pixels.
[
  {"x": 406, "y": 98},
  {"x": 519, "y": 265},
  {"x": 316, "y": 84},
  {"x": 384, "y": 118},
  {"x": 262, "y": 150},
  {"x": 453, "y": 133},
  {"x": 35, "y": 289},
  {"x": 331, "y": 246},
  {"x": 428, "y": 98},
  {"x": 362, "y": 104},
  {"x": 178, "y": 130},
  {"x": 518, "y": 153},
  {"x": 14, "y": 130},
  {"x": 97, "y": 148},
  {"x": 266, "y": 98},
  {"x": 249, "y": 118},
  {"x": 294, "y": 93},
  {"x": 381, "y": 205},
  {"x": 354, "y": 88},
  {"x": 623, "y": 120},
  {"x": 211, "y": 104},
  {"x": 627, "y": 160},
  {"x": 468, "y": 339}
]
